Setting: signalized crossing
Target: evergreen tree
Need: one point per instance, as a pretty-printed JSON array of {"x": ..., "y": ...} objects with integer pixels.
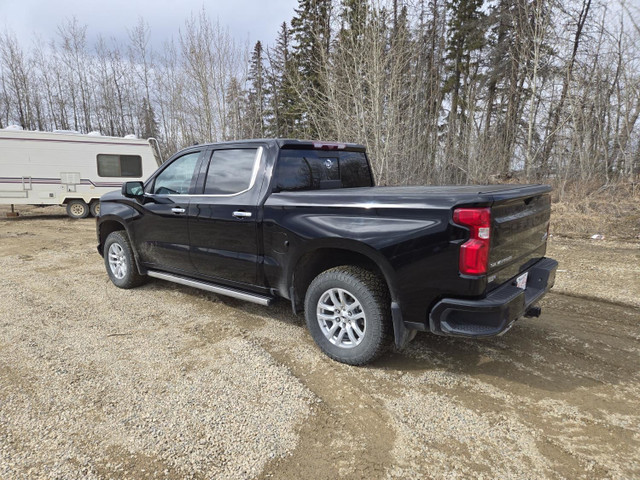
[
  {"x": 466, "y": 35},
  {"x": 465, "y": 38},
  {"x": 255, "y": 117},
  {"x": 311, "y": 29},
  {"x": 280, "y": 89},
  {"x": 353, "y": 16}
]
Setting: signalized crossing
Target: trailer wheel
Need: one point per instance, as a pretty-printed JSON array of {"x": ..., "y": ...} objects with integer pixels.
[
  {"x": 348, "y": 315},
  {"x": 77, "y": 209},
  {"x": 95, "y": 208}
]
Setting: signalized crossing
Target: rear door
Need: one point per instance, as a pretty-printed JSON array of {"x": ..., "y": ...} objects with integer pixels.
[
  {"x": 162, "y": 233},
  {"x": 224, "y": 217}
]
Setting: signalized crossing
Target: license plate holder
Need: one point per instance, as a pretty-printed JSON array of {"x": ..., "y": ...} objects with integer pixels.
[{"x": 521, "y": 281}]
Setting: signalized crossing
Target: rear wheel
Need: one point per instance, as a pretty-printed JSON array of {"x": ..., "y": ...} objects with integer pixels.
[
  {"x": 95, "y": 208},
  {"x": 347, "y": 310},
  {"x": 77, "y": 209},
  {"x": 120, "y": 262}
]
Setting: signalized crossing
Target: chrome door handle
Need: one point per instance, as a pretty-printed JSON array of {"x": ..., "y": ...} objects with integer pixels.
[
  {"x": 178, "y": 210},
  {"x": 241, "y": 214}
]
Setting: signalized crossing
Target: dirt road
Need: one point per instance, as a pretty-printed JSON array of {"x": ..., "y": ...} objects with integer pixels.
[{"x": 169, "y": 382}]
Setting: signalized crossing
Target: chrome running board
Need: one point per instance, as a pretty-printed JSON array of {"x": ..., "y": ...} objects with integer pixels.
[{"x": 210, "y": 287}]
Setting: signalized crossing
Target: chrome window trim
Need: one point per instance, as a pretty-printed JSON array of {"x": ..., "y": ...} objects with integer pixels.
[{"x": 254, "y": 176}]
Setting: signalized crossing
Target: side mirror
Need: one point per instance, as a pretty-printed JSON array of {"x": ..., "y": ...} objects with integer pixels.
[{"x": 132, "y": 189}]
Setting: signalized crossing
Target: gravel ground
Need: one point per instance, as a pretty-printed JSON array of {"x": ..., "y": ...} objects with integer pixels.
[
  {"x": 598, "y": 269},
  {"x": 169, "y": 382}
]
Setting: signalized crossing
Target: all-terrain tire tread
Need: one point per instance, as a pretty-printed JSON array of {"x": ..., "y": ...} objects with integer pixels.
[
  {"x": 377, "y": 287},
  {"x": 133, "y": 278}
]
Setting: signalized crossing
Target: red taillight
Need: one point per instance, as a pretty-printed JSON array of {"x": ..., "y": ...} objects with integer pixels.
[{"x": 474, "y": 253}]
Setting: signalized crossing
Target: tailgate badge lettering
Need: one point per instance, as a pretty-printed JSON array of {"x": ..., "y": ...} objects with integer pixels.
[{"x": 500, "y": 262}]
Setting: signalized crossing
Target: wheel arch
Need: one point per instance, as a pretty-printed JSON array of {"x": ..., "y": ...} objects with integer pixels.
[
  {"x": 105, "y": 227},
  {"x": 322, "y": 256},
  {"x": 88, "y": 199},
  {"x": 108, "y": 225}
]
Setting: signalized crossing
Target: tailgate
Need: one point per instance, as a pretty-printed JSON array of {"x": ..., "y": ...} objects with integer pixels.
[{"x": 519, "y": 235}]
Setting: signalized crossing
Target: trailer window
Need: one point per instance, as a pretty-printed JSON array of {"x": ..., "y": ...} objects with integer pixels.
[{"x": 120, "y": 166}]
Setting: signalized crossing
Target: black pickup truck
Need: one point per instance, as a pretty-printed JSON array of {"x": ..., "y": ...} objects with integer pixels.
[{"x": 260, "y": 219}]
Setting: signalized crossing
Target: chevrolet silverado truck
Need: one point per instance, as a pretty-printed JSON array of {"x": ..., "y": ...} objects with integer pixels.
[{"x": 302, "y": 220}]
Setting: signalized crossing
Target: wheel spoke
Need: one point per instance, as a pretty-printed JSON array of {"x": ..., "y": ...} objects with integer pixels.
[
  {"x": 352, "y": 306},
  {"x": 326, "y": 318},
  {"x": 356, "y": 329},
  {"x": 341, "y": 297},
  {"x": 351, "y": 335},
  {"x": 333, "y": 329},
  {"x": 340, "y": 335},
  {"x": 334, "y": 299},
  {"x": 325, "y": 306}
]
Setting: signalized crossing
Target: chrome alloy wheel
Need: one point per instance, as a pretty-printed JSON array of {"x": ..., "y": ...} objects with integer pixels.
[
  {"x": 117, "y": 261},
  {"x": 341, "y": 318}
]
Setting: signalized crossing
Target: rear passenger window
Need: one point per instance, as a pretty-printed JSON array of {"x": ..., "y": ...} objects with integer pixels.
[
  {"x": 231, "y": 171},
  {"x": 315, "y": 170},
  {"x": 119, "y": 166}
]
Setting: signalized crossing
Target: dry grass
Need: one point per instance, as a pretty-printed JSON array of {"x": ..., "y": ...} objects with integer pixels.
[{"x": 583, "y": 210}]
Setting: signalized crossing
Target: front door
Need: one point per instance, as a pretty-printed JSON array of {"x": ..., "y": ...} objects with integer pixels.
[
  {"x": 222, "y": 221},
  {"x": 162, "y": 232}
]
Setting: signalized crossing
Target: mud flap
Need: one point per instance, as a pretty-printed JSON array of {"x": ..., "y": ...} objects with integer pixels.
[{"x": 401, "y": 333}]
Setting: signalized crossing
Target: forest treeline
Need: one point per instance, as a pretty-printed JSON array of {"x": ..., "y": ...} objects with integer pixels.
[{"x": 439, "y": 91}]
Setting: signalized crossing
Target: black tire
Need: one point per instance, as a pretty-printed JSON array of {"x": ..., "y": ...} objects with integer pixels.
[
  {"x": 77, "y": 209},
  {"x": 370, "y": 291},
  {"x": 94, "y": 207},
  {"x": 117, "y": 249}
]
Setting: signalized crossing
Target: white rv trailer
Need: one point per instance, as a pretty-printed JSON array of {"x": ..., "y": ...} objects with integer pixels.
[{"x": 72, "y": 169}]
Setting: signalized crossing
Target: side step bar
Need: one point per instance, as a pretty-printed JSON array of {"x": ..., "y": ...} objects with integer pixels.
[{"x": 210, "y": 287}]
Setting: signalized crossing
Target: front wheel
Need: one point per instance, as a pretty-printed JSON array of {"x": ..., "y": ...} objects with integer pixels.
[
  {"x": 120, "y": 262},
  {"x": 347, "y": 310}
]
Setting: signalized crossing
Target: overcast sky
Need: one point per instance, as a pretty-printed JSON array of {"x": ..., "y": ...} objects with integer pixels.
[{"x": 247, "y": 19}]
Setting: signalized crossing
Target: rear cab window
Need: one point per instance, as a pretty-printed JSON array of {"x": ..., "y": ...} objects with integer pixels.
[{"x": 302, "y": 169}]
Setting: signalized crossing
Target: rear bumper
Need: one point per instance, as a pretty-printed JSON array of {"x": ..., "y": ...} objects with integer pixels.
[{"x": 495, "y": 313}]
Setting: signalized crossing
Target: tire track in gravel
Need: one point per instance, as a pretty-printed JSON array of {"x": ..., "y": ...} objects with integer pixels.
[{"x": 348, "y": 433}]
